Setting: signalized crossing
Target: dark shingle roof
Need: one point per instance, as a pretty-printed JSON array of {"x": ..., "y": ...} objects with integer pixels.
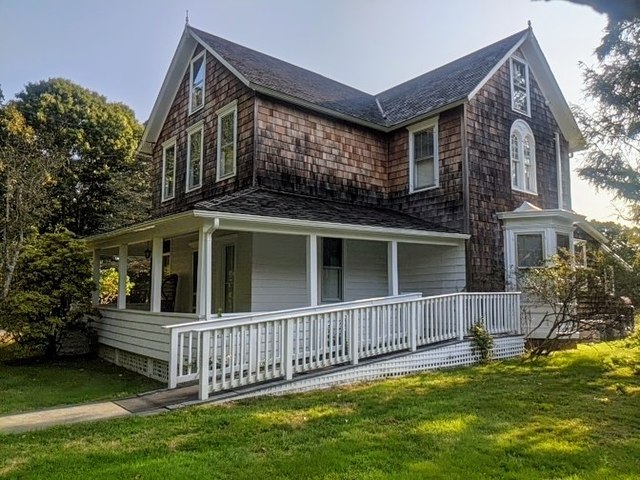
[
  {"x": 267, "y": 203},
  {"x": 281, "y": 76},
  {"x": 416, "y": 97},
  {"x": 444, "y": 85}
]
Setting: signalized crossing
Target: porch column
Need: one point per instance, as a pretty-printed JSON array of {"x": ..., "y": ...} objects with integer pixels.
[
  {"x": 123, "y": 254},
  {"x": 205, "y": 275},
  {"x": 392, "y": 267},
  {"x": 312, "y": 268},
  {"x": 95, "y": 296},
  {"x": 156, "y": 275}
]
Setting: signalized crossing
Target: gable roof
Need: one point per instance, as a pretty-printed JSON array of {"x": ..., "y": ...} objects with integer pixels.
[{"x": 425, "y": 95}]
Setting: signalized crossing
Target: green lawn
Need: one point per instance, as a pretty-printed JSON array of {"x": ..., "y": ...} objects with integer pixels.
[
  {"x": 29, "y": 385},
  {"x": 575, "y": 415}
]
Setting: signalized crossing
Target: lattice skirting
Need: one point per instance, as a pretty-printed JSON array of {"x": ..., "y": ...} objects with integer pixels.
[
  {"x": 439, "y": 357},
  {"x": 149, "y": 367}
]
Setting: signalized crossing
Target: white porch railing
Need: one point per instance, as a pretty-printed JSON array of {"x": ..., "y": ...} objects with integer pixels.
[{"x": 250, "y": 349}]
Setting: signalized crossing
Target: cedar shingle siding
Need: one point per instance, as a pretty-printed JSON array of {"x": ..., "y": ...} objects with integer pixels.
[{"x": 290, "y": 149}]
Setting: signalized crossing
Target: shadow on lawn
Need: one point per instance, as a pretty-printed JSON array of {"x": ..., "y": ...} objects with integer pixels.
[{"x": 558, "y": 417}]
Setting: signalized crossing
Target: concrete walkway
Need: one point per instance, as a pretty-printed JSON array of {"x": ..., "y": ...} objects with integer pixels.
[{"x": 143, "y": 404}]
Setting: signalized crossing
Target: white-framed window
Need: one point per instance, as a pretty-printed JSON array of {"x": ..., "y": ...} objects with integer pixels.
[
  {"x": 196, "y": 82},
  {"x": 332, "y": 270},
  {"x": 227, "y": 141},
  {"x": 423, "y": 155},
  {"x": 520, "y": 96},
  {"x": 195, "y": 137},
  {"x": 529, "y": 250},
  {"x": 523, "y": 157},
  {"x": 169, "y": 153}
]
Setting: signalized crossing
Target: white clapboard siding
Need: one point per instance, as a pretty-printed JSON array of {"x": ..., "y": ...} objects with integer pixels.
[
  {"x": 365, "y": 270},
  {"x": 431, "y": 269},
  {"x": 138, "y": 332},
  {"x": 279, "y": 276}
]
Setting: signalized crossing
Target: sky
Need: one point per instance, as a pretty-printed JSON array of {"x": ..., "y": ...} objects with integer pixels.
[{"x": 122, "y": 48}]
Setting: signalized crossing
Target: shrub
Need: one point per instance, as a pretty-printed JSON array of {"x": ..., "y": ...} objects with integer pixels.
[
  {"x": 51, "y": 294},
  {"x": 482, "y": 342}
]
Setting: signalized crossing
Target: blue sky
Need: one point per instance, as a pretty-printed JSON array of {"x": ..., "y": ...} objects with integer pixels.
[{"x": 122, "y": 48}]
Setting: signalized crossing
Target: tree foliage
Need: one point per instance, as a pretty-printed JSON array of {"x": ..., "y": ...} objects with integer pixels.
[
  {"x": 51, "y": 292},
  {"x": 576, "y": 301},
  {"x": 612, "y": 125},
  {"x": 26, "y": 183},
  {"x": 100, "y": 184}
]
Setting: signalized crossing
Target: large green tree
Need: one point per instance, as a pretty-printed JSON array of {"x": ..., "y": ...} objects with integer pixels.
[
  {"x": 611, "y": 121},
  {"x": 101, "y": 183}
]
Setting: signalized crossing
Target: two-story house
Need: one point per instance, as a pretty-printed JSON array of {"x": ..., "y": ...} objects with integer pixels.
[{"x": 277, "y": 188}]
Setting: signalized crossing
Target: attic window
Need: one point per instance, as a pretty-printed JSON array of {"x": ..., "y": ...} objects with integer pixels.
[
  {"x": 520, "y": 100},
  {"x": 196, "y": 93},
  {"x": 423, "y": 155},
  {"x": 169, "y": 170},
  {"x": 194, "y": 156}
]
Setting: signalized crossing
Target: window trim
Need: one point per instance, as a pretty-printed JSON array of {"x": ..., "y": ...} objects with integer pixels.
[
  {"x": 431, "y": 123},
  {"x": 527, "y": 85},
  {"x": 522, "y": 130},
  {"x": 165, "y": 146},
  {"x": 223, "y": 112},
  {"x": 190, "y": 131},
  {"x": 204, "y": 81}
]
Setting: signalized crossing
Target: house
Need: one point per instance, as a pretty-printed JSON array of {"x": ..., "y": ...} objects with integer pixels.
[{"x": 277, "y": 188}]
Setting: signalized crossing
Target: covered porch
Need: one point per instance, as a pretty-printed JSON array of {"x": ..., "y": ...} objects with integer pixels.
[{"x": 203, "y": 266}]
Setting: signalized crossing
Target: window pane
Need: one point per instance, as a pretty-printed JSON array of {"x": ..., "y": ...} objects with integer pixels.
[
  {"x": 423, "y": 144},
  {"x": 519, "y": 75},
  {"x": 331, "y": 284},
  {"x": 195, "y": 152},
  {"x": 197, "y": 83},
  {"x": 332, "y": 252},
  {"x": 515, "y": 160},
  {"x": 226, "y": 162},
  {"x": 563, "y": 244},
  {"x": 227, "y": 128},
  {"x": 169, "y": 164},
  {"x": 520, "y": 100},
  {"x": 529, "y": 249},
  {"x": 424, "y": 174}
]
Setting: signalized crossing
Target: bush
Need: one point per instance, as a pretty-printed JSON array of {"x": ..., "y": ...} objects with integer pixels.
[
  {"x": 482, "y": 342},
  {"x": 51, "y": 293}
]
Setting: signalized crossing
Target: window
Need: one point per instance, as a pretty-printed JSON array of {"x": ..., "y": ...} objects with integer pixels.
[
  {"x": 529, "y": 250},
  {"x": 196, "y": 84},
  {"x": 229, "y": 277},
  {"x": 423, "y": 155},
  {"x": 194, "y": 157},
  {"x": 520, "y": 101},
  {"x": 227, "y": 135},
  {"x": 169, "y": 170},
  {"x": 332, "y": 270},
  {"x": 563, "y": 245},
  {"x": 523, "y": 158},
  {"x": 580, "y": 252}
]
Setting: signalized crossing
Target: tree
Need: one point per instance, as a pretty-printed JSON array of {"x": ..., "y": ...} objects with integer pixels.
[
  {"x": 574, "y": 300},
  {"x": 26, "y": 182},
  {"x": 612, "y": 126},
  {"x": 624, "y": 242},
  {"x": 617, "y": 10},
  {"x": 101, "y": 184},
  {"x": 51, "y": 292}
]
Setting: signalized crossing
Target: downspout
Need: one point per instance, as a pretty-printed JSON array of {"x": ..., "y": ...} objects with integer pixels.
[{"x": 466, "y": 201}]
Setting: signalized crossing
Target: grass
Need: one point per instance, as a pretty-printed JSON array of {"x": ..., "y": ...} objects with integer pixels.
[
  {"x": 31, "y": 384},
  {"x": 575, "y": 415}
]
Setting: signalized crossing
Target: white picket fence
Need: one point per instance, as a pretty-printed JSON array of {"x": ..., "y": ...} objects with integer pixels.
[{"x": 248, "y": 349}]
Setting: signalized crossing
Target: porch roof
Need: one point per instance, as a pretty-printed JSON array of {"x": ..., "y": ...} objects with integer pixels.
[{"x": 268, "y": 203}]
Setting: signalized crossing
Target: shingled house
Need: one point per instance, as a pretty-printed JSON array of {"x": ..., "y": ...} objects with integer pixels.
[{"x": 276, "y": 188}]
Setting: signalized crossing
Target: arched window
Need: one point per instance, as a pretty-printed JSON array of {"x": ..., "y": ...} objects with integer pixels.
[{"x": 523, "y": 157}]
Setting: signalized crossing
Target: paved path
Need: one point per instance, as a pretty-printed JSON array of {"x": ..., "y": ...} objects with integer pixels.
[{"x": 144, "y": 404}]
